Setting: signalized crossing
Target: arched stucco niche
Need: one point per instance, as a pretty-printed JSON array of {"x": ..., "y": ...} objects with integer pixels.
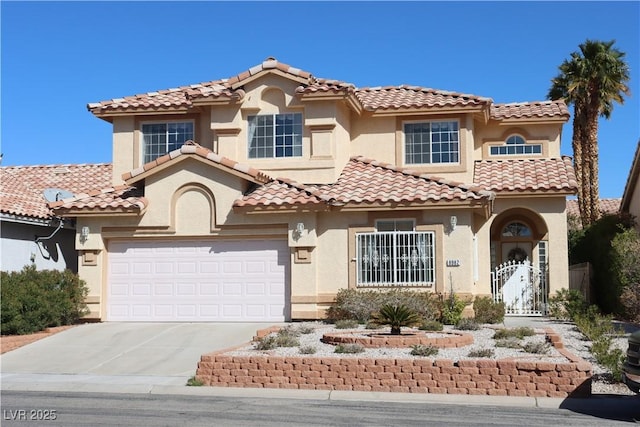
[
  {"x": 517, "y": 230},
  {"x": 272, "y": 100},
  {"x": 193, "y": 210}
]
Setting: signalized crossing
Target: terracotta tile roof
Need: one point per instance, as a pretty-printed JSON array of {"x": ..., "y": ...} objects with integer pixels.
[
  {"x": 23, "y": 186},
  {"x": 529, "y": 110},
  {"x": 526, "y": 175},
  {"x": 607, "y": 207},
  {"x": 365, "y": 181},
  {"x": 396, "y": 97},
  {"x": 371, "y": 99},
  {"x": 120, "y": 198},
  {"x": 191, "y": 147}
]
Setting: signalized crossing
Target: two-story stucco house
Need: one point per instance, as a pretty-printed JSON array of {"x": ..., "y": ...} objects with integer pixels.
[{"x": 260, "y": 196}]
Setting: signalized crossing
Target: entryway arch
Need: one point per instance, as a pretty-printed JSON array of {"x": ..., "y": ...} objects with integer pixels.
[{"x": 519, "y": 261}]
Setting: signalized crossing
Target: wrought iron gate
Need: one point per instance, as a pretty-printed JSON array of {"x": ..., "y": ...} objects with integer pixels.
[{"x": 522, "y": 287}]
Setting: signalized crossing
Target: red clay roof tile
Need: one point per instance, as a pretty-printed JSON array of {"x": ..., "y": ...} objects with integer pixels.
[
  {"x": 119, "y": 198},
  {"x": 23, "y": 186},
  {"x": 364, "y": 181},
  {"x": 378, "y": 98},
  {"x": 607, "y": 207},
  {"x": 526, "y": 175}
]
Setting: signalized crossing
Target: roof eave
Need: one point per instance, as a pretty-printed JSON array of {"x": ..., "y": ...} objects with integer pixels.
[
  {"x": 405, "y": 111},
  {"x": 632, "y": 181}
]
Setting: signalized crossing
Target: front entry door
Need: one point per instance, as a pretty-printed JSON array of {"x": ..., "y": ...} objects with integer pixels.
[{"x": 516, "y": 251}]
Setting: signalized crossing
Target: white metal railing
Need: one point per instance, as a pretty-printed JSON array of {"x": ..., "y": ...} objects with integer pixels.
[
  {"x": 396, "y": 258},
  {"x": 522, "y": 287}
]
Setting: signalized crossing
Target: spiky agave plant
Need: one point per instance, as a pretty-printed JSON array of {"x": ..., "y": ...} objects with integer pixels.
[{"x": 396, "y": 316}]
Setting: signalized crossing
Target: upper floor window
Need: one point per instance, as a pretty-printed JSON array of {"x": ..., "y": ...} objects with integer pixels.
[
  {"x": 516, "y": 144},
  {"x": 275, "y": 135},
  {"x": 432, "y": 142},
  {"x": 161, "y": 138},
  {"x": 395, "y": 225}
]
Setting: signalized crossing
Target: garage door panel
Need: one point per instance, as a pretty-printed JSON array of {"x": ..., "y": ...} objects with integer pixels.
[{"x": 197, "y": 281}]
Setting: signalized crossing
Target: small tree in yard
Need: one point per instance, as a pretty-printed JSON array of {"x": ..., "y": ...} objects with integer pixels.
[{"x": 396, "y": 316}]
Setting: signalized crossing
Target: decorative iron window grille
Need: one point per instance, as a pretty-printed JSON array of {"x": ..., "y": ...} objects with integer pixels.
[{"x": 395, "y": 259}]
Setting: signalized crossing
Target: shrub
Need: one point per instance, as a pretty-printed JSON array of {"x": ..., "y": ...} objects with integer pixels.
[
  {"x": 483, "y": 352},
  {"x": 519, "y": 333},
  {"x": 305, "y": 329},
  {"x": 194, "y": 382},
  {"x": 511, "y": 342},
  {"x": 360, "y": 305},
  {"x": 626, "y": 265},
  {"x": 467, "y": 325},
  {"x": 349, "y": 349},
  {"x": 33, "y": 300},
  {"x": 346, "y": 324},
  {"x": 488, "y": 311},
  {"x": 566, "y": 304},
  {"x": 423, "y": 350},
  {"x": 536, "y": 347},
  {"x": 396, "y": 316},
  {"x": 431, "y": 325},
  {"x": 452, "y": 308},
  {"x": 308, "y": 349},
  {"x": 266, "y": 343}
]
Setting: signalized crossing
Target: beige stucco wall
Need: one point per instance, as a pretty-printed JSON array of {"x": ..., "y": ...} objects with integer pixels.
[{"x": 495, "y": 133}]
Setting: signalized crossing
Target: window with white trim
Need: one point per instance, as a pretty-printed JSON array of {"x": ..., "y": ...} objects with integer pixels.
[
  {"x": 160, "y": 138},
  {"x": 432, "y": 142},
  {"x": 275, "y": 135},
  {"x": 395, "y": 257},
  {"x": 515, "y": 145}
]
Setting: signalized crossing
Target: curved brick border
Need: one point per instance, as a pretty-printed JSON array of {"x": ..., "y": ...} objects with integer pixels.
[
  {"x": 479, "y": 377},
  {"x": 376, "y": 340}
]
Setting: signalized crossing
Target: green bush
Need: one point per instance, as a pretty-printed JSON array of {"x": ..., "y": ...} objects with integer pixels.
[
  {"x": 309, "y": 349},
  {"x": 346, "y": 324},
  {"x": 520, "y": 333},
  {"x": 349, "y": 349},
  {"x": 626, "y": 265},
  {"x": 431, "y": 325},
  {"x": 566, "y": 304},
  {"x": 488, "y": 311},
  {"x": 451, "y": 311},
  {"x": 396, "y": 316},
  {"x": 483, "y": 352},
  {"x": 511, "y": 342},
  {"x": 536, "y": 347},
  {"x": 423, "y": 350},
  {"x": 467, "y": 325},
  {"x": 360, "y": 305},
  {"x": 33, "y": 300}
]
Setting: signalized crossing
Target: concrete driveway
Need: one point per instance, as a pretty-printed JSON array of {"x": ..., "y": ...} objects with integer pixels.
[{"x": 121, "y": 353}]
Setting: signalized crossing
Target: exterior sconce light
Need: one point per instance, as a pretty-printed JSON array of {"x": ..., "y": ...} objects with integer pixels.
[
  {"x": 453, "y": 221},
  {"x": 84, "y": 234},
  {"x": 297, "y": 233}
]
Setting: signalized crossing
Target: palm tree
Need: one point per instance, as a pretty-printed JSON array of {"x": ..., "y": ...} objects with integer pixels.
[
  {"x": 592, "y": 80},
  {"x": 396, "y": 316}
]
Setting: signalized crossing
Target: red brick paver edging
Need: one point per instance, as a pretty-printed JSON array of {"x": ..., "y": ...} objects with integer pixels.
[{"x": 505, "y": 377}]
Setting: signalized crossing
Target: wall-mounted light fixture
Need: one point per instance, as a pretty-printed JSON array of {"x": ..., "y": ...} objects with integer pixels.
[
  {"x": 453, "y": 221},
  {"x": 84, "y": 234},
  {"x": 297, "y": 233}
]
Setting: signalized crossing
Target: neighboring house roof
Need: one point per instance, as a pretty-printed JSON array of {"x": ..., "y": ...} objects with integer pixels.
[
  {"x": 22, "y": 192},
  {"x": 120, "y": 199},
  {"x": 607, "y": 207},
  {"x": 632, "y": 181},
  {"x": 522, "y": 175},
  {"x": 365, "y": 182},
  {"x": 371, "y": 99}
]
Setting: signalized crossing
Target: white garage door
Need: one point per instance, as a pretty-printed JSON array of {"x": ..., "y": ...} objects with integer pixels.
[{"x": 198, "y": 281}]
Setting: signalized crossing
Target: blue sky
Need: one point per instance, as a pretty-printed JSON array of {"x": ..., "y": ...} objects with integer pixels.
[{"x": 59, "y": 56}]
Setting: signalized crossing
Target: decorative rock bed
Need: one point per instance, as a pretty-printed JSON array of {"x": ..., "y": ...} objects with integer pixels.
[
  {"x": 506, "y": 377},
  {"x": 377, "y": 340}
]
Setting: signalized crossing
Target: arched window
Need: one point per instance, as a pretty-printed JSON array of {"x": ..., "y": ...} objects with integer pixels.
[
  {"x": 516, "y": 229},
  {"x": 514, "y": 145}
]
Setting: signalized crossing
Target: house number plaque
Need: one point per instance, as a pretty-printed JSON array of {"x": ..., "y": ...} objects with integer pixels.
[{"x": 453, "y": 263}]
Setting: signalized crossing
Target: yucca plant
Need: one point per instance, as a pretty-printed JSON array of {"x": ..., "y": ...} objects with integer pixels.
[{"x": 396, "y": 316}]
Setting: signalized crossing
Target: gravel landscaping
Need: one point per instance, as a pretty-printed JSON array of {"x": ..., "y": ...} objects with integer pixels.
[{"x": 572, "y": 339}]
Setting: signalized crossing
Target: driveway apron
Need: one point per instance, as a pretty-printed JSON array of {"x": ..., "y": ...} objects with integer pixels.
[{"x": 152, "y": 352}]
